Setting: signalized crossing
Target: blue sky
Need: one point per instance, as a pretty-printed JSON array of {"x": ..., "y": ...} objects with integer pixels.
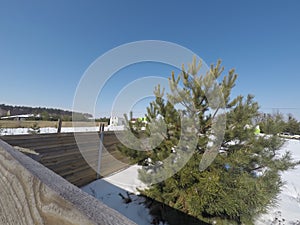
[{"x": 46, "y": 46}]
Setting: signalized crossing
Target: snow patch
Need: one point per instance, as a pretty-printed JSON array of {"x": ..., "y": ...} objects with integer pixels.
[
  {"x": 108, "y": 191},
  {"x": 288, "y": 208},
  {"x": 109, "y": 195},
  {"x": 127, "y": 180},
  {"x": 49, "y": 130}
]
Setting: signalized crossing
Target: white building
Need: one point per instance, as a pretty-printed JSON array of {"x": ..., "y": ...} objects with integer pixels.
[{"x": 116, "y": 123}]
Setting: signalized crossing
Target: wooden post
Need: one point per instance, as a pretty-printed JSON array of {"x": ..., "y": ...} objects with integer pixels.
[
  {"x": 100, "y": 150},
  {"x": 100, "y": 127},
  {"x": 59, "y": 123}
]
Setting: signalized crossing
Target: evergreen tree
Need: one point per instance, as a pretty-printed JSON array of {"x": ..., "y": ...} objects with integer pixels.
[
  {"x": 292, "y": 125},
  {"x": 233, "y": 186},
  {"x": 272, "y": 124},
  {"x": 275, "y": 124}
]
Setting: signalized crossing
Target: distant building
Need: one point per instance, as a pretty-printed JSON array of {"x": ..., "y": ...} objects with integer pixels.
[
  {"x": 20, "y": 117},
  {"x": 116, "y": 121}
]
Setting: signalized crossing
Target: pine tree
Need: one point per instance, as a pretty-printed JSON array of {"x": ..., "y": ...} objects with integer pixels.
[
  {"x": 233, "y": 186},
  {"x": 292, "y": 125},
  {"x": 272, "y": 123}
]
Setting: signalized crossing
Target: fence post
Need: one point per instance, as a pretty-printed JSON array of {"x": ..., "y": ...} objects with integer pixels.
[
  {"x": 101, "y": 130},
  {"x": 59, "y": 125}
]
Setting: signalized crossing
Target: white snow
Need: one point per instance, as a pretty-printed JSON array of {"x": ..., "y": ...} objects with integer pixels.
[
  {"x": 18, "y": 116},
  {"x": 115, "y": 127},
  {"x": 127, "y": 180},
  {"x": 107, "y": 190},
  {"x": 288, "y": 207},
  {"x": 43, "y": 130},
  {"x": 109, "y": 194}
]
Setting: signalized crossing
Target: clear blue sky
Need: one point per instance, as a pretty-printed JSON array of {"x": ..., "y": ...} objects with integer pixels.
[{"x": 45, "y": 46}]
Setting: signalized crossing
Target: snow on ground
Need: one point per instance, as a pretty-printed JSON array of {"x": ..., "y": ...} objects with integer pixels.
[
  {"x": 44, "y": 130},
  {"x": 127, "y": 179},
  {"x": 109, "y": 194},
  {"x": 114, "y": 128},
  {"x": 107, "y": 190},
  {"x": 289, "y": 199}
]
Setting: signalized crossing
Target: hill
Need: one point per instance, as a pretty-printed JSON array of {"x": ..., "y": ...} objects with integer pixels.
[{"x": 45, "y": 113}]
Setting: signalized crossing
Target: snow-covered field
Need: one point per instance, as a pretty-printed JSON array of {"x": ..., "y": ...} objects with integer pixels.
[
  {"x": 288, "y": 208},
  {"x": 44, "y": 130},
  {"x": 108, "y": 189},
  {"x": 18, "y": 131}
]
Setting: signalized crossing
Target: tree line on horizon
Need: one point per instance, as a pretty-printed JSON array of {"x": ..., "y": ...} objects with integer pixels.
[
  {"x": 277, "y": 123},
  {"x": 48, "y": 114}
]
